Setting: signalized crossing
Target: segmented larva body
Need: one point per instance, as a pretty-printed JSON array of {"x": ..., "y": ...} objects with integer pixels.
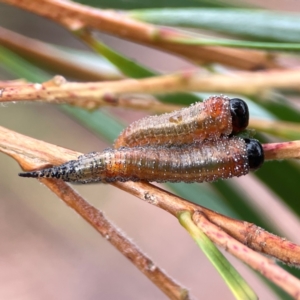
[
  {"x": 216, "y": 116},
  {"x": 197, "y": 162}
]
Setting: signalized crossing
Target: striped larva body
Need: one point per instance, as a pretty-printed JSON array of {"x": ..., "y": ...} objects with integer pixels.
[
  {"x": 216, "y": 116},
  {"x": 197, "y": 162}
]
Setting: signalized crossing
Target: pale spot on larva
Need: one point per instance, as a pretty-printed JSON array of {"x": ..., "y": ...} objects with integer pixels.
[
  {"x": 176, "y": 119},
  {"x": 263, "y": 244}
]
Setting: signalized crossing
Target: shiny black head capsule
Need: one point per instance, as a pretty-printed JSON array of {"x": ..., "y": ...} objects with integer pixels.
[
  {"x": 255, "y": 153},
  {"x": 239, "y": 113}
]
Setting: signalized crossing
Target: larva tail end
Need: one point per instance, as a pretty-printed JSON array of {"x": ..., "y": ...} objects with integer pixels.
[{"x": 30, "y": 174}]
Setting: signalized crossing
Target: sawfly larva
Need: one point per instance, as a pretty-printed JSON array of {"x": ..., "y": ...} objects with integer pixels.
[
  {"x": 196, "y": 162},
  {"x": 216, "y": 116}
]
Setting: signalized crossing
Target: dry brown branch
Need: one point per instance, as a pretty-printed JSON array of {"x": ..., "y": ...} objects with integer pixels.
[
  {"x": 36, "y": 154},
  {"x": 38, "y": 92},
  {"x": 52, "y": 58},
  {"x": 93, "y": 94},
  {"x": 33, "y": 154},
  {"x": 76, "y": 16},
  {"x": 96, "y": 218},
  {"x": 247, "y": 233},
  {"x": 252, "y": 258}
]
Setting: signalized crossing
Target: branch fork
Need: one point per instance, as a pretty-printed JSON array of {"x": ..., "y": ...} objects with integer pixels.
[{"x": 236, "y": 236}]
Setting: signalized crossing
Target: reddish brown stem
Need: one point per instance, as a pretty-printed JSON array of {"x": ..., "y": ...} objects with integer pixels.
[
  {"x": 94, "y": 94},
  {"x": 76, "y": 16},
  {"x": 265, "y": 266},
  {"x": 282, "y": 150},
  {"x": 96, "y": 218}
]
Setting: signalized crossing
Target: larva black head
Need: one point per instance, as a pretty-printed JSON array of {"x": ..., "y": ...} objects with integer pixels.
[
  {"x": 255, "y": 153},
  {"x": 239, "y": 113}
]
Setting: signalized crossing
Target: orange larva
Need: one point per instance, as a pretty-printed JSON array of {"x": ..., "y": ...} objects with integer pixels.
[
  {"x": 216, "y": 116},
  {"x": 197, "y": 162}
]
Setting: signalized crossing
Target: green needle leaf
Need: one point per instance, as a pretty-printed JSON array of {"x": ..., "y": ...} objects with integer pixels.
[
  {"x": 101, "y": 123},
  {"x": 132, "y": 69},
  {"x": 134, "y": 4},
  {"x": 14, "y": 64},
  {"x": 236, "y": 44},
  {"x": 256, "y": 24},
  {"x": 233, "y": 279}
]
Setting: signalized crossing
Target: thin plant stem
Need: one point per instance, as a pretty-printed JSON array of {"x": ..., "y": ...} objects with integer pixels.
[{"x": 76, "y": 16}]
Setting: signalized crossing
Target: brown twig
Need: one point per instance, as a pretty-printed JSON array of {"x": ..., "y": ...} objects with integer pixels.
[
  {"x": 247, "y": 233},
  {"x": 96, "y": 218},
  {"x": 37, "y": 154},
  {"x": 265, "y": 266},
  {"x": 93, "y": 94},
  {"x": 34, "y": 154},
  {"x": 75, "y": 16},
  {"x": 44, "y": 92},
  {"x": 282, "y": 150}
]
